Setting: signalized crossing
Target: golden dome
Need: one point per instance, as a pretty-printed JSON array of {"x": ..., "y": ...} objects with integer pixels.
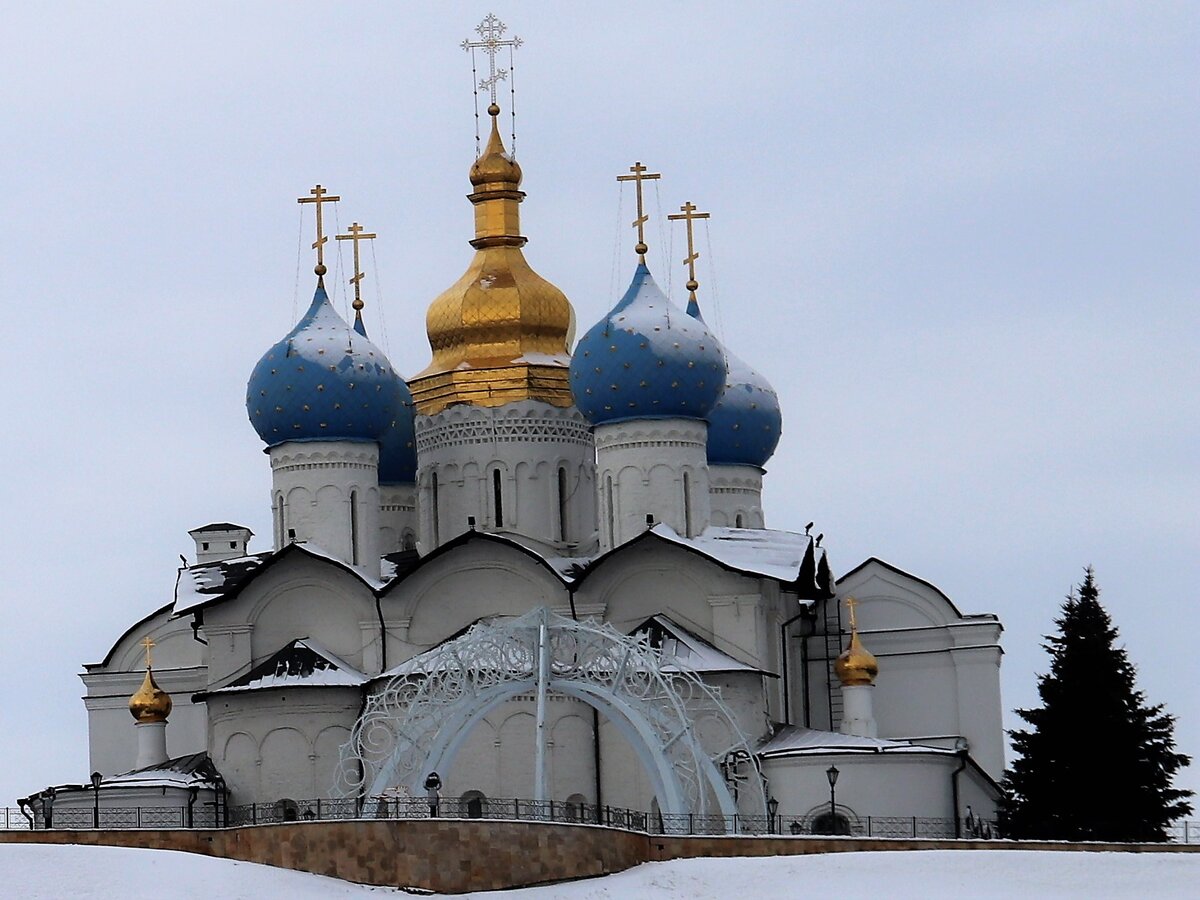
[
  {"x": 500, "y": 333},
  {"x": 150, "y": 703},
  {"x": 857, "y": 665}
]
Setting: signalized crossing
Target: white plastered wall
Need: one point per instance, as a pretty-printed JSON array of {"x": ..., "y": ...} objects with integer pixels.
[
  {"x": 398, "y": 525},
  {"x": 735, "y": 494}
]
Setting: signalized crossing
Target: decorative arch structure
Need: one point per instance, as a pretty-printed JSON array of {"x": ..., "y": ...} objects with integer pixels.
[{"x": 418, "y": 721}]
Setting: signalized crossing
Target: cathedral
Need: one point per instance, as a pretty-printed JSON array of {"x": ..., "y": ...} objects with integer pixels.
[{"x": 611, "y": 484}]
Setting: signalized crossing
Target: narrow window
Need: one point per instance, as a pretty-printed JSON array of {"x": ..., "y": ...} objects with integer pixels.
[
  {"x": 687, "y": 505},
  {"x": 608, "y": 511},
  {"x": 498, "y": 498},
  {"x": 739, "y": 522},
  {"x": 433, "y": 512},
  {"x": 354, "y": 527},
  {"x": 562, "y": 503},
  {"x": 280, "y": 532},
  {"x": 204, "y": 545}
]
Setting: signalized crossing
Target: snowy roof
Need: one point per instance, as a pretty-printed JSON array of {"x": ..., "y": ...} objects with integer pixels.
[
  {"x": 193, "y": 770},
  {"x": 219, "y": 526},
  {"x": 300, "y": 663},
  {"x": 793, "y": 740},
  {"x": 674, "y": 641},
  {"x": 782, "y": 555}
]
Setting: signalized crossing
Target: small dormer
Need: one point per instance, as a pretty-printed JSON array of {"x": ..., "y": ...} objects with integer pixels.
[{"x": 220, "y": 540}]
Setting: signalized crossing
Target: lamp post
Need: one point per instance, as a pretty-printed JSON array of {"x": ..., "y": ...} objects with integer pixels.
[
  {"x": 832, "y": 774},
  {"x": 772, "y": 811},
  {"x": 96, "y": 779}
]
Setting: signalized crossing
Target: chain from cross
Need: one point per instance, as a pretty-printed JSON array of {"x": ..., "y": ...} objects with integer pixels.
[
  {"x": 148, "y": 644},
  {"x": 689, "y": 215},
  {"x": 639, "y": 175},
  {"x": 850, "y": 604},
  {"x": 491, "y": 30},
  {"x": 356, "y": 234},
  {"x": 318, "y": 197}
]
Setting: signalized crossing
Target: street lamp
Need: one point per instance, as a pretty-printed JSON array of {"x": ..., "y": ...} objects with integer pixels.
[
  {"x": 96, "y": 779},
  {"x": 772, "y": 810},
  {"x": 832, "y": 774}
]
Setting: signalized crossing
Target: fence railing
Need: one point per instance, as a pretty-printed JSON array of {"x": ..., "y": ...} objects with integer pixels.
[{"x": 208, "y": 816}]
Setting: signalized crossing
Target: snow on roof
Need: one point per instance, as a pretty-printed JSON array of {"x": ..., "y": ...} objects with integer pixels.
[
  {"x": 193, "y": 770},
  {"x": 774, "y": 554},
  {"x": 793, "y": 740},
  {"x": 301, "y": 663},
  {"x": 202, "y": 584},
  {"x": 674, "y": 641}
]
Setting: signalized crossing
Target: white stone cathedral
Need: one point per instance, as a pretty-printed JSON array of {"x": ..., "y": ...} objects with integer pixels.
[{"x": 619, "y": 480}]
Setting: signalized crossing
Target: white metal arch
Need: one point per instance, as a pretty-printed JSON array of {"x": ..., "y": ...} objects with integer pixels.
[{"x": 418, "y": 721}]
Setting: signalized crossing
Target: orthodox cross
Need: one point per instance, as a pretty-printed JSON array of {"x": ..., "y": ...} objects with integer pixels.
[
  {"x": 147, "y": 643},
  {"x": 689, "y": 215},
  {"x": 850, "y": 604},
  {"x": 490, "y": 30},
  {"x": 356, "y": 234},
  {"x": 639, "y": 175},
  {"x": 318, "y": 197}
]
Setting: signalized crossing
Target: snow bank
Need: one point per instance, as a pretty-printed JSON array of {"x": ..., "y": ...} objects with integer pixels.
[{"x": 51, "y": 872}]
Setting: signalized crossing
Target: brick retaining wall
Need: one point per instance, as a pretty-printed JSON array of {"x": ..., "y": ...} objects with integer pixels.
[{"x": 455, "y": 856}]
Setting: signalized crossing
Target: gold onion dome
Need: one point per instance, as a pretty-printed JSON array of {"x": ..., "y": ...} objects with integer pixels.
[
  {"x": 857, "y": 665},
  {"x": 500, "y": 333},
  {"x": 150, "y": 703}
]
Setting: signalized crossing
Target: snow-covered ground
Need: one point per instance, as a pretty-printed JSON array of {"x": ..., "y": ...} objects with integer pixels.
[{"x": 48, "y": 872}]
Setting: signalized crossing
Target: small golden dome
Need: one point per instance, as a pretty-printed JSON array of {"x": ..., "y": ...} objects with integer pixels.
[
  {"x": 495, "y": 167},
  {"x": 857, "y": 665},
  {"x": 150, "y": 703},
  {"x": 501, "y": 332}
]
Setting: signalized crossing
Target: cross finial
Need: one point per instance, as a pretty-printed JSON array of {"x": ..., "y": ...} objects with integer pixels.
[
  {"x": 318, "y": 197},
  {"x": 148, "y": 644},
  {"x": 639, "y": 175},
  {"x": 689, "y": 215},
  {"x": 850, "y": 604},
  {"x": 490, "y": 32},
  {"x": 356, "y": 234}
]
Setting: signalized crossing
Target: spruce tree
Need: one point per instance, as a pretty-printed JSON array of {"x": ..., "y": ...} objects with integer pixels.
[{"x": 1097, "y": 763}]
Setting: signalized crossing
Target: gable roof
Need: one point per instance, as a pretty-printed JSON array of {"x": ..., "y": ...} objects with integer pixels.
[
  {"x": 911, "y": 577},
  {"x": 302, "y": 662},
  {"x": 795, "y": 740},
  {"x": 674, "y": 641},
  {"x": 210, "y": 583}
]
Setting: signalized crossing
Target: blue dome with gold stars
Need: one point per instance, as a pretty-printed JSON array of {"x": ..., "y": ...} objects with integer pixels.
[
  {"x": 322, "y": 381},
  {"x": 398, "y": 443},
  {"x": 646, "y": 359},
  {"x": 745, "y": 425}
]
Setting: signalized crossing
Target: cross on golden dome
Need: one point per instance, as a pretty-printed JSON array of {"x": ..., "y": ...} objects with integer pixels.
[
  {"x": 689, "y": 215},
  {"x": 148, "y": 644},
  {"x": 491, "y": 30},
  {"x": 356, "y": 234},
  {"x": 639, "y": 175},
  {"x": 318, "y": 197}
]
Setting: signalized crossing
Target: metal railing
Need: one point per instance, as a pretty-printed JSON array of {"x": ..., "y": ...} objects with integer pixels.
[{"x": 400, "y": 808}]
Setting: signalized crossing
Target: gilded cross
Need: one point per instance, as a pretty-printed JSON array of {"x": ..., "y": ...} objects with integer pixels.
[
  {"x": 850, "y": 604},
  {"x": 639, "y": 175},
  {"x": 490, "y": 31},
  {"x": 148, "y": 644},
  {"x": 689, "y": 215},
  {"x": 318, "y": 197},
  {"x": 356, "y": 234}
]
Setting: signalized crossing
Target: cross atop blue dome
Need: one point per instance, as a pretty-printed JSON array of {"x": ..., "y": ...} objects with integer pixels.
[
  {"x": 322, "y": 381},
  {"x": 646, "y": 359}
]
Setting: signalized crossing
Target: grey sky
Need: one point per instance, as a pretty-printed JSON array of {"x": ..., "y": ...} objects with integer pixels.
[{"x": 961, "y": 240}]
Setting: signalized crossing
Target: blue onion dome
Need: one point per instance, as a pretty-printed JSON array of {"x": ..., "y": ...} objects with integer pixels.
[
  {"x": 322, "y": 381},
  {"x": 646, "y": 359},
  {"x": 398, "y": 443},
  {"x": 745, "y": 425}
]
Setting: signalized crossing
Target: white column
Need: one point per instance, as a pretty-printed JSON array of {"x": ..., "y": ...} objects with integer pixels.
[
  {"x": 152, "y": 744},
  {"x": 858, "y": 714}
]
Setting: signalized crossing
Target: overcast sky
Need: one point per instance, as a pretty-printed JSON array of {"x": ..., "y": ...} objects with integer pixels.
[{"x": 960, "y": 239}]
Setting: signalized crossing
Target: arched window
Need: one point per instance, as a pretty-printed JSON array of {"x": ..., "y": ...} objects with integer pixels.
[
  {"x": 739, "y": 521},
  {"x": 433, "y": 508},
  {"x": 687, "y": 505},
  {"x": 562, "y": 503},
  {"x": 354, "y": 527},
  {"x": 473, "y": 802},
  {"x": 575, "y": 807},
  {"x": 498, "y": 498},
  {"x": 280, "y": 528},
  {"x": 609, "y": 512}
]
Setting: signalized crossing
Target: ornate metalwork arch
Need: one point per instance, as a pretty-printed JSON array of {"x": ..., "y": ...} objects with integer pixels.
[{"x": 418, "y": 721}]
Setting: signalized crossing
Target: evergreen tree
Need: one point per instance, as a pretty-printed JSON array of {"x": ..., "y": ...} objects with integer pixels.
[{"x": 1097, "y": 762}]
